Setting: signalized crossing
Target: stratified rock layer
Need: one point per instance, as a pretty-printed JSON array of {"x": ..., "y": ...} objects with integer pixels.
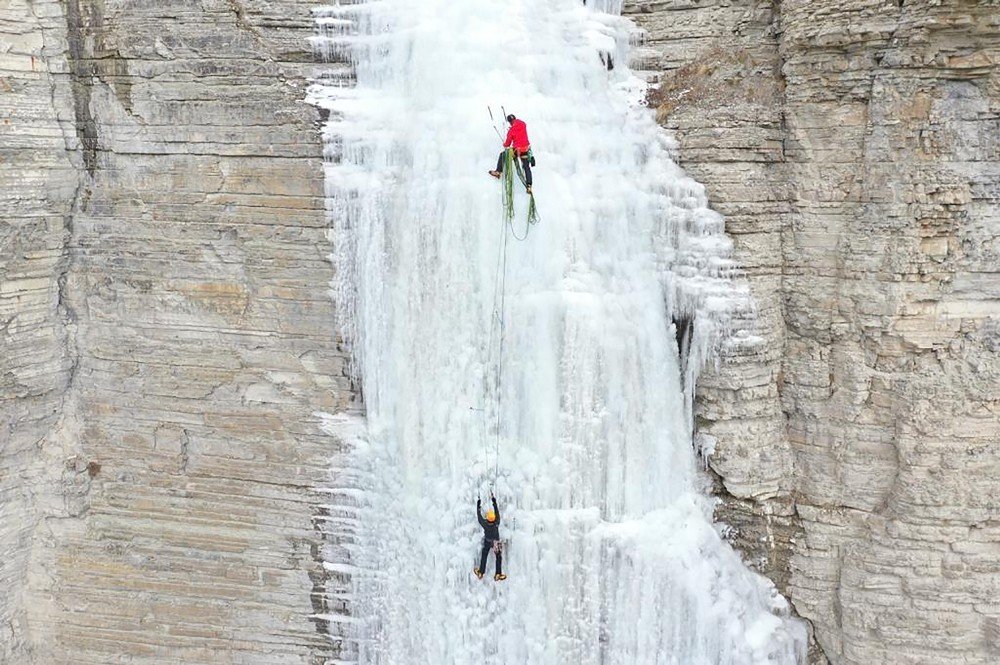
[
  {"x": 853, "y": 148},
  {"x": 167, "y": 334},
  {"x": 38, "y": 181}
]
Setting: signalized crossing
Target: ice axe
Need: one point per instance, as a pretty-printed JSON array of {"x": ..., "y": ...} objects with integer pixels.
[{"x": 494, "y": 122}]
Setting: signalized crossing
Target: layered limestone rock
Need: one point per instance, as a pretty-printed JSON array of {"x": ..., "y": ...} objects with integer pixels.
[
  {"x": 38, "y": 183},
  {"x": 167, "y": 334},
  {"x": 853, "y": 148}
]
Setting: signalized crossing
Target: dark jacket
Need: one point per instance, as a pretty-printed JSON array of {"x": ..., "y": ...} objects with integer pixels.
[{"x": 491, "y": 530}]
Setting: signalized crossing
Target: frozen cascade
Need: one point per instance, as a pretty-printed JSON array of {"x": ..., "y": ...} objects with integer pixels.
[{"x": 612, "y": 554}]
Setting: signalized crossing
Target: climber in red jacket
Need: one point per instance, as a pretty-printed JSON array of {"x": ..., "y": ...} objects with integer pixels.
[{"x": 517, "y": 138}]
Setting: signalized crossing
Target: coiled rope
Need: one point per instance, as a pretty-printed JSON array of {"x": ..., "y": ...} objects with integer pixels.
[{"x": 512, "y": 165}]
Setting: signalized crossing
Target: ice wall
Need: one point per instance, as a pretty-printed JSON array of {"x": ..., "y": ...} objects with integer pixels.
[{"x": 584, "y": 434}]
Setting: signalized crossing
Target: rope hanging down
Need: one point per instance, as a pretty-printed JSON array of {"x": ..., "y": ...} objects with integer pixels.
[
  {"x": 496, "y": 342},
  {"x": 500, "y": 279},
  {"x": 512, "y": 165},
  {"x": 499, "y": 317}
]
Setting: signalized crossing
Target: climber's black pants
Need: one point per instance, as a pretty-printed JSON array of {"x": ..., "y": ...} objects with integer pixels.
[
  {"x": 487, "y": 546},
  {"x": 525, "y": 164}
]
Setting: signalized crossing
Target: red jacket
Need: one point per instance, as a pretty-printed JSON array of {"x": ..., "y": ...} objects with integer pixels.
[{"x": 517, "y": 136}]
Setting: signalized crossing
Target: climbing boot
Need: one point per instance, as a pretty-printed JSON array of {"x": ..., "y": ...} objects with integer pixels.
[
  {"x": 478, "y": 573},
  {"x": 495, "y": 174},
  {"x": 529, "y": 189},
  {"x": 499, "y": 577}
]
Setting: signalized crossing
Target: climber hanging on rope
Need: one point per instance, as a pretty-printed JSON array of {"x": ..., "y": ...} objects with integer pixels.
[
  {"x": 517, "y": 139},
  {"x": 491, "y": 538}
]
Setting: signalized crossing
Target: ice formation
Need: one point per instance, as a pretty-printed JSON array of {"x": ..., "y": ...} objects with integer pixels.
[{"x": 584, "y": 434}]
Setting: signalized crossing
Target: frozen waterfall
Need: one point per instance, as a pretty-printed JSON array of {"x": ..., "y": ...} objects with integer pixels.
[{"x": 612, "y": 554}]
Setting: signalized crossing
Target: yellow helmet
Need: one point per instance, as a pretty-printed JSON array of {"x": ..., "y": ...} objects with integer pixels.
[{"x": 490, "y": 515}]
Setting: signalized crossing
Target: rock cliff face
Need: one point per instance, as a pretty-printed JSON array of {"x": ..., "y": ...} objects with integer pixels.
[
  {"x": 38, "y": 181},
  {"x": 167, "y": 334},
  {"x": 853, "y": 148}
]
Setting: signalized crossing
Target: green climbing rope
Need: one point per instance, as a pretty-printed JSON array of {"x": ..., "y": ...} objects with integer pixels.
[{"x": 512, "y": 165}]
